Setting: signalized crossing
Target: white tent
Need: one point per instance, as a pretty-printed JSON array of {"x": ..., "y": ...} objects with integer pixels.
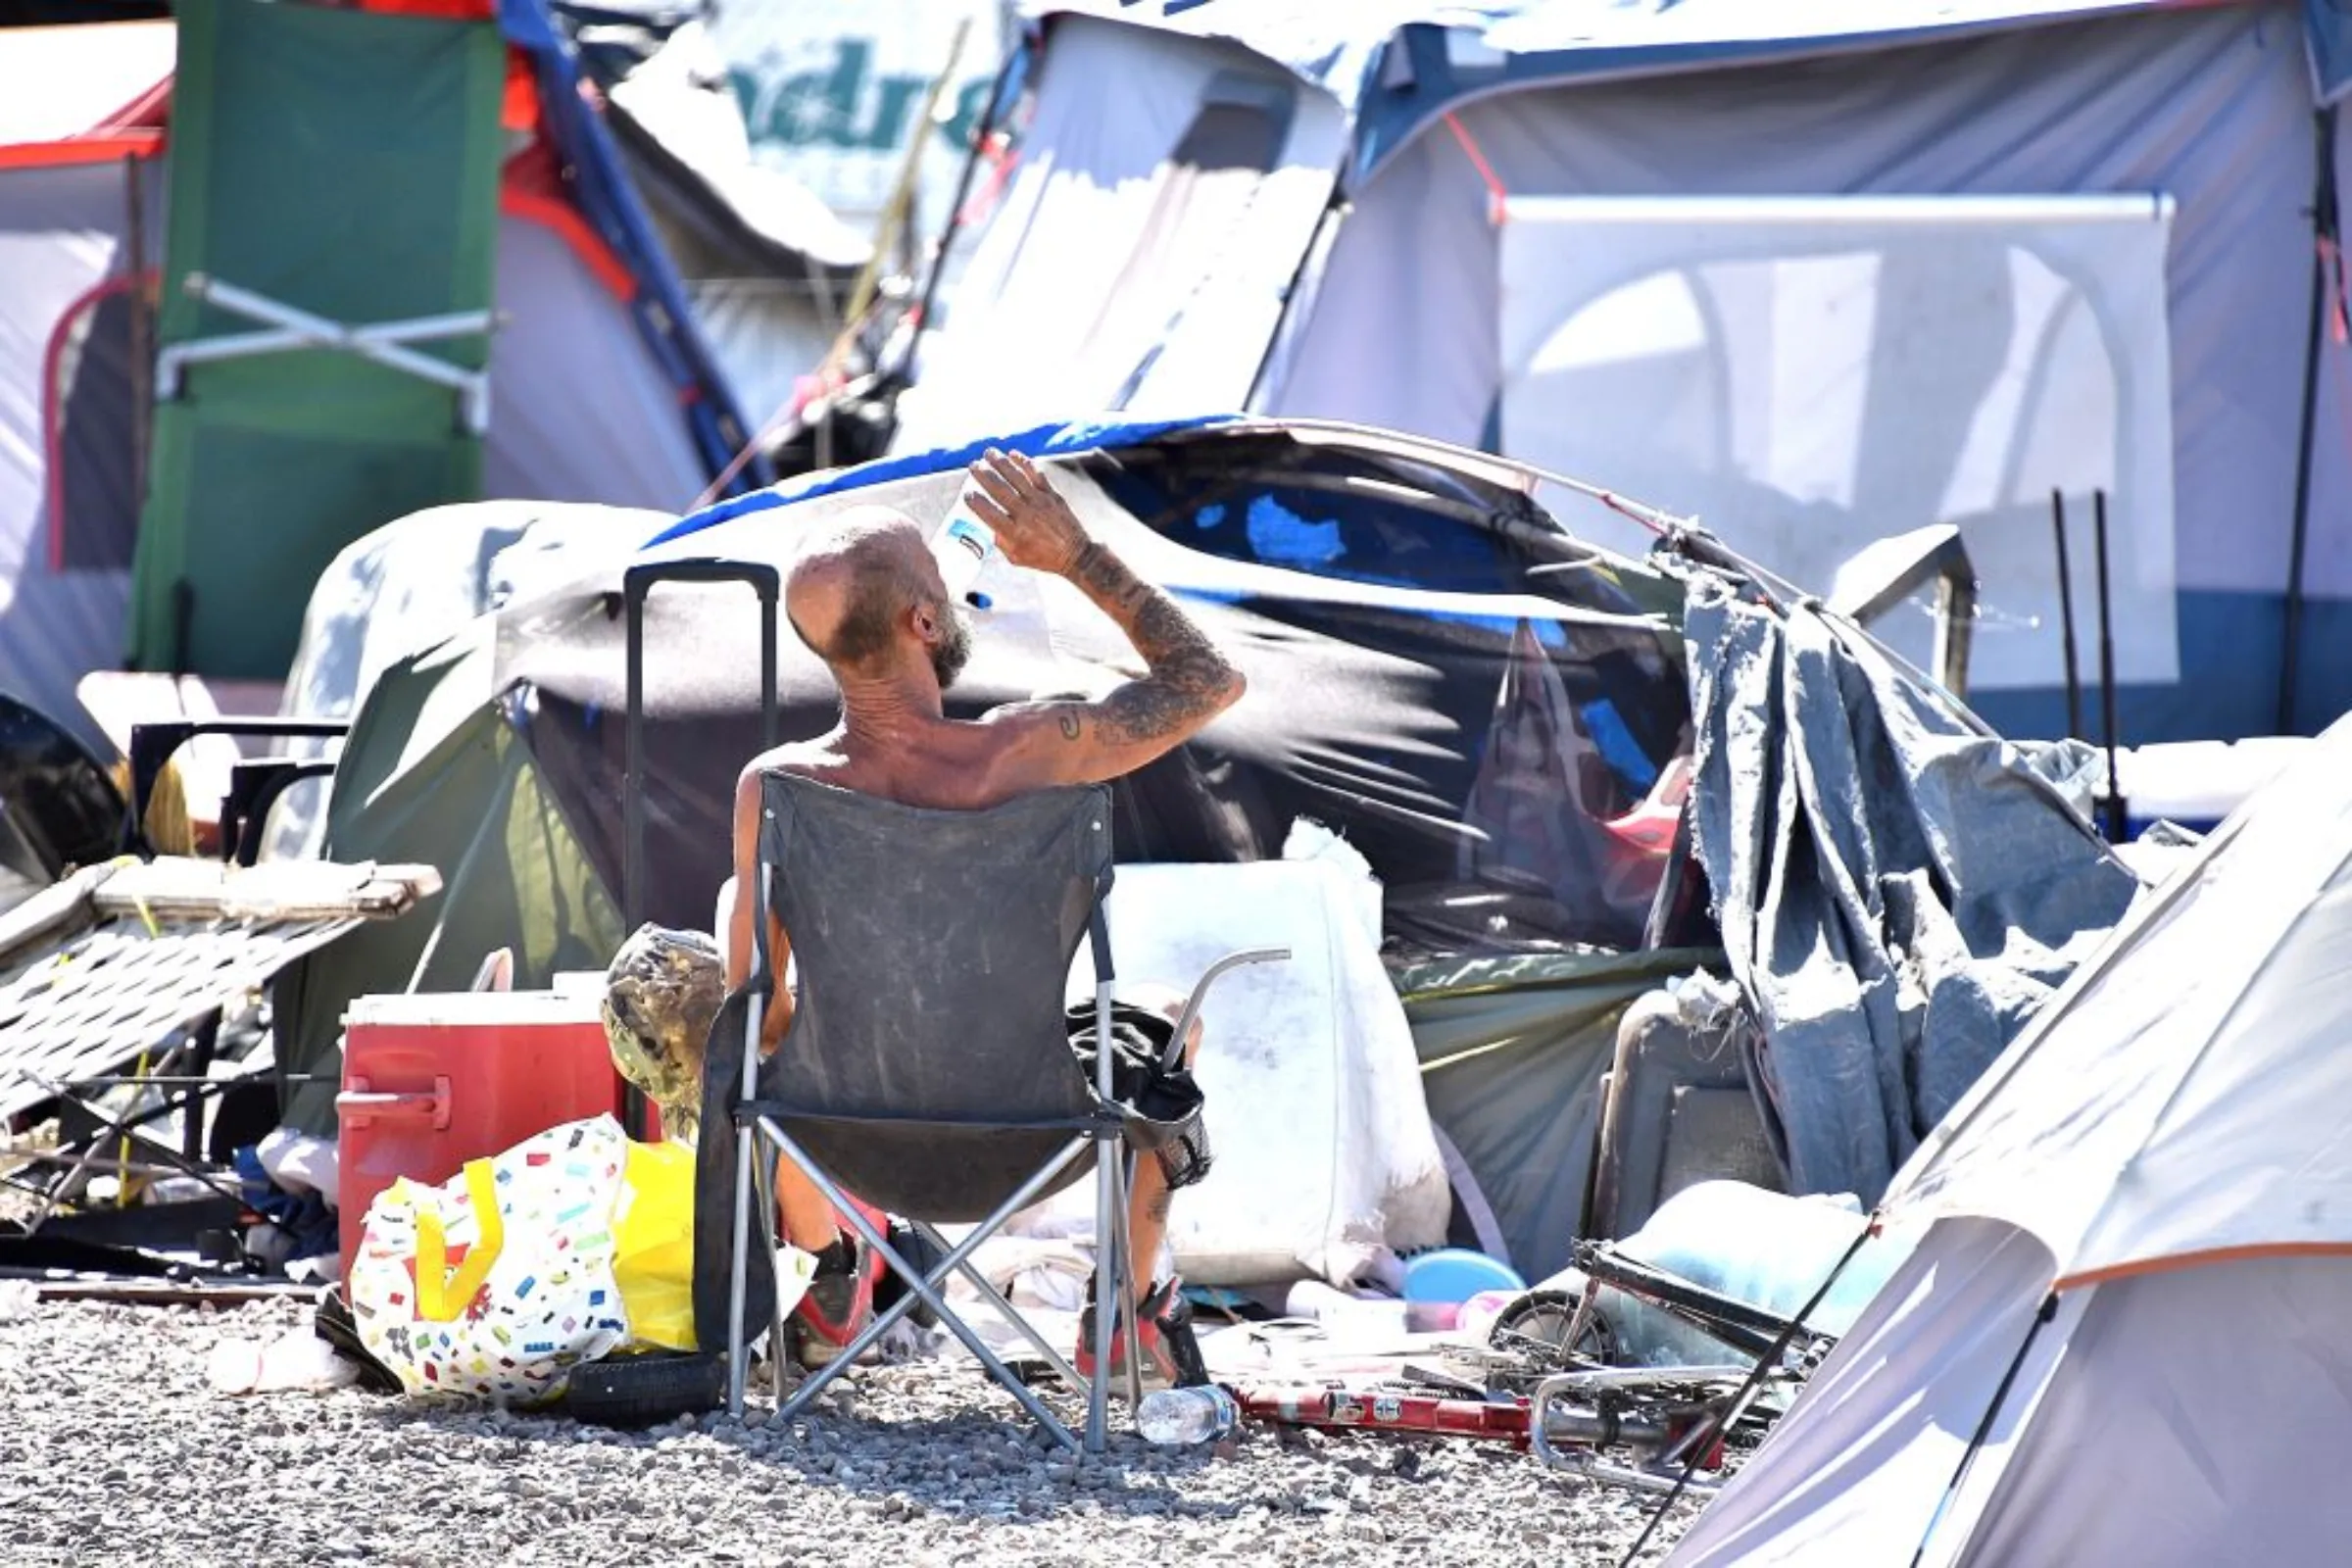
[
  {"x": 1817, "y": 272},
  {"x": 582, "y": 410},
  {"x": 2122, "y": 1341}
]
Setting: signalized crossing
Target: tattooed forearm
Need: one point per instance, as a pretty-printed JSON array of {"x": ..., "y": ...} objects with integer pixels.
[{"x": 1189, "y": 681}]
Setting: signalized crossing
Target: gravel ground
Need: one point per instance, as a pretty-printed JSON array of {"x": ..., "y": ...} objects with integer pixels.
[{"x": 116, "y": 1450}]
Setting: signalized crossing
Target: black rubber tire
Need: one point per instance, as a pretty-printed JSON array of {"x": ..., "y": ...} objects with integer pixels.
[{"x": 644, "y": 1391}]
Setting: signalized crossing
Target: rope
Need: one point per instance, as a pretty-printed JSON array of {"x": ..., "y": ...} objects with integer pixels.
[{"x": 1496, "y": 194}]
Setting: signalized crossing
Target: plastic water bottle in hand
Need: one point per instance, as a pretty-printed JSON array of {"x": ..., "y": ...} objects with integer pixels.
[
  {"x": 1176, "y": 1418},
  {"x": 962, "y": 545}
]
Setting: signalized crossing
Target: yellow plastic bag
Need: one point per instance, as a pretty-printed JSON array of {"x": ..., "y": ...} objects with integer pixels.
[{"x": 653, "y": 1234}]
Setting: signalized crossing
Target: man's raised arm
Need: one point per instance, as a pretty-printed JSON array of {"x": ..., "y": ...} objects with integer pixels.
[{"x": 1186, "y": 681}]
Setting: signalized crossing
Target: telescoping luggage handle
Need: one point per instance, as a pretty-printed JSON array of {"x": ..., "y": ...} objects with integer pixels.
[{"x": 637, "y": 585}]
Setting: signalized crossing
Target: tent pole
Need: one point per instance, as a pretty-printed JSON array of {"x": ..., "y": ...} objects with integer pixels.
[
  {"x": 1976, "y": 1438},
  {"x": 986, "y": 129},
  {"x": 2066, "y": 620},
  {"x": 2323, "y": 223},
  {"x": 142, "y": 364},
  {"x": 2116, "y": 820},
  {"x": 900, "y": 209}
]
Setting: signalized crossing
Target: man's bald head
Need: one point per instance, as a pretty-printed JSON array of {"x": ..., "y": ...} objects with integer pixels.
[{"x": 853, "y": 584}]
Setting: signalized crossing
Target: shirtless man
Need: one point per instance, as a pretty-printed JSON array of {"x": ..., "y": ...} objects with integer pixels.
[{"x": 868, "y": 597}]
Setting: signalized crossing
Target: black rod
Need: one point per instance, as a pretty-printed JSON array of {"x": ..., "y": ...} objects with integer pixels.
[
  {"x": 2324, "y": 219},
  {"x": 2116, "y": 822},
  {"x": 1748, "y": 1389},
  {"x": 2066, "y": 620},
  {"x": 1976, "y": 1441}
]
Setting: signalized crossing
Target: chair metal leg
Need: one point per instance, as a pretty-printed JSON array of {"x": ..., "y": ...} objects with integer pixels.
[
  {"x": 1106, "y": 1217},
  {"x": 920, "y": 1286},
  {"x": 1011, "y": 1314},
  {"x": 764, "y": 1178},
  {"x": 1108, "y": 1292},
  {"x": 1123, "y": 1254},
  {"x": 740, "y": 1252}
]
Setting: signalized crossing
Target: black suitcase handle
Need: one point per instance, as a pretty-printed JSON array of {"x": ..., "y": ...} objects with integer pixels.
[{"x": 637, "y": 585}]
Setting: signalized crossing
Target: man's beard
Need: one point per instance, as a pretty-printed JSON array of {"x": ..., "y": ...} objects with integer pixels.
[{"x": 954, "y": 647}]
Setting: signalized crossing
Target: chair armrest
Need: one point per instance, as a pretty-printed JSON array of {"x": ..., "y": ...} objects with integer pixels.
[{"x": 1210, "y": 977}]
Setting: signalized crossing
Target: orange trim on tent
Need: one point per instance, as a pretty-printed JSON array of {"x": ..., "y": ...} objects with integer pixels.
[
  {"x": 519, "y": 110},
  {"x": 2217, "y": 1254},
  {"x": 555, "y": 213},
  {"x": 81, "y": 150}
]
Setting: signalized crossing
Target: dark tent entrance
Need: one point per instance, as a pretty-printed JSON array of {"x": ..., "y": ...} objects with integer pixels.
[{"x": 94, "y": 413}]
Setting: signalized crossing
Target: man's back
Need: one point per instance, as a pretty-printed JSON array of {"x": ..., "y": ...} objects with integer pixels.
[{"x": 943, "y": 765}]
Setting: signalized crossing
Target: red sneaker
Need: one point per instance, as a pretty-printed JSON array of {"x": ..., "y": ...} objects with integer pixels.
[{"x": 1170, "y": 1354}]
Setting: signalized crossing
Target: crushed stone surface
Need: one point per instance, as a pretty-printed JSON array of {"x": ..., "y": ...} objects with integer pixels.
[{"x": 115, "y": 1450}]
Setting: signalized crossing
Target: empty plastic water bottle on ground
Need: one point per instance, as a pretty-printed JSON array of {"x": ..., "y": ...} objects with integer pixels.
[
  {"x": 298, "y": 1359},
  {"x": 1176, "y": 1418},
  {"x": 964, "y": 545}
]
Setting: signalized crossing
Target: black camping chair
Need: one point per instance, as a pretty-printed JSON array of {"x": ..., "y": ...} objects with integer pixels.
[{"x": 928, "y": 1066}]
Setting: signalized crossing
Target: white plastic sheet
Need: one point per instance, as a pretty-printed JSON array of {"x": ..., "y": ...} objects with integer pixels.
[{"x": 1112, "y": 275}]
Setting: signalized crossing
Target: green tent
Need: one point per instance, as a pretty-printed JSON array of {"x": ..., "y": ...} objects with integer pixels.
[
  {"x": 1512, "y": 1051},
  {"x": 345, "y": 165},
  {"x": 437, "y": 771}
]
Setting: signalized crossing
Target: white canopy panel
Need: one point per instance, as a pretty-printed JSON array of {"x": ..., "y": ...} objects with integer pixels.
[{"x": 1810, "y": 374}]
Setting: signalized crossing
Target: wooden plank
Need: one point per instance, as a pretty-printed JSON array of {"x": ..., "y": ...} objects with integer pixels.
[{"x": 178, "y": 888}]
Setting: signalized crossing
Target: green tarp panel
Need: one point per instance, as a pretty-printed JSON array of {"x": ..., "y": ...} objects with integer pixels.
[
  {"x": 344, "y": 164},
  {"x": 441, "y": 777},
  {"x": 1512, "y": 1051}
]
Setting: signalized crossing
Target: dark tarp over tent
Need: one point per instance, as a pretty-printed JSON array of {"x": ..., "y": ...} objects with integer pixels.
[
  {"x": 1497, "y": 736},
  {"x": 1377, "y": 591}
]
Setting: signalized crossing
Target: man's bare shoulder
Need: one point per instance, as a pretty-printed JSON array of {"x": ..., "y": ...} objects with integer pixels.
[
  {"x": 809, "y": 759},
  {"x": 817, "y": 759}
]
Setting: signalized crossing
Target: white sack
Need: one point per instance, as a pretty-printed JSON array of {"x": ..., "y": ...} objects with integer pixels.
[{"x": 1323, "y": 1148}]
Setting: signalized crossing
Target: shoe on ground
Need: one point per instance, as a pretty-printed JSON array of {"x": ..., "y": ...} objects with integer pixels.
[
  {"x": 1170, "y": 1354},
  {"x": 837, "y": 1305}
]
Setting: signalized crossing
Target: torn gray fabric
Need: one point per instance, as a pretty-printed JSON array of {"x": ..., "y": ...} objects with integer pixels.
[{"x": 1898, "y": 892}]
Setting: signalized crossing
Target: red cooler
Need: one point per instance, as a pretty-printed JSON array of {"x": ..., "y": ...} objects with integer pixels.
[{"x": 430, "y": 1082}]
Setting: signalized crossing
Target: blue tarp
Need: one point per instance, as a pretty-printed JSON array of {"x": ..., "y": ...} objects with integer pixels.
[
  {"x": 1394, "y": 64},
  {"x": 602, "y": 188},
  {"x": 1900, "y": 893},
  {"x": 1045, "y": 440}
]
